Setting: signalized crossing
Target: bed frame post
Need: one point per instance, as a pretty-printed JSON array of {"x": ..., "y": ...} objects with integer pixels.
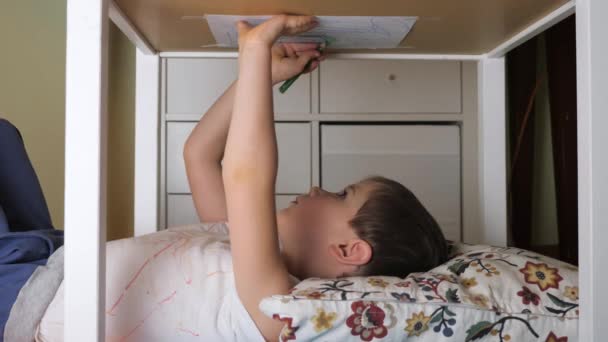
[
  {"x": 147, "y": 88},
  {"x": 592, "y": 72},
  {"x": 85, "y": 170},
  {"x": 492, "y": 151}
]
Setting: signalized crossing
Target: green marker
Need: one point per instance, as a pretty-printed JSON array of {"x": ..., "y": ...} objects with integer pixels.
[{"x": 290, "y": 81}]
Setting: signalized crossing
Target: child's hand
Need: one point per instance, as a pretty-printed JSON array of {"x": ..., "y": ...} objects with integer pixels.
[
  {"x": 269, "y": 31},
  {"x": 289, "y": 59}
]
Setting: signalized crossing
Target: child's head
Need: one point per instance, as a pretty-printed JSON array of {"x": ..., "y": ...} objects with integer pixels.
[{"x": 373, "y": 227}]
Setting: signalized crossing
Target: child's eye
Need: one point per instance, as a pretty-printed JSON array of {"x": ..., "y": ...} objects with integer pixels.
[{"x": 341, "y": 193}]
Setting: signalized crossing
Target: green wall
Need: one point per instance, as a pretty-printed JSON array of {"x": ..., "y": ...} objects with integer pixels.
[{"x": 32, "y": 96}]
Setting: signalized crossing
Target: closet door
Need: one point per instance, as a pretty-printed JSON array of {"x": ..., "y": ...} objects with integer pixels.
[
  {"x": 194, "y": 84},
  {"x": 293, "y": 176},
  {"x": 424, "y": 158},
  {"x": 390, "y": 86}
]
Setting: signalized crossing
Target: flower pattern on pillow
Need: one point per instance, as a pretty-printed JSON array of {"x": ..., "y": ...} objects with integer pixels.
[
  {"x": 417, "y": 324},
  {"x": 468, "y": 282},
  {"x": 482, "y": 292},
  {"x": 571, "y": 292},
  {"x": 542, "y": 275},
  {"x": 528, "y": 296},
  {"x": 309, "y": 293},
  {"x": 323, "y": 320},
  {"x": 553, "y": 338},
  {"x": 367, "y": 321},
  {"x": 379, "y": 282},
  {"x": 288, "y": 332},
  {"x": 479, "y": 300}
]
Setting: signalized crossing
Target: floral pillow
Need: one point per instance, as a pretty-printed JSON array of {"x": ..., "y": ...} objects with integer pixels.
[{"x": 482, "y": 292}]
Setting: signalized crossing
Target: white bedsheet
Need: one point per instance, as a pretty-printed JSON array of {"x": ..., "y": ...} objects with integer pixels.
[{"x": 174, "y": 285}]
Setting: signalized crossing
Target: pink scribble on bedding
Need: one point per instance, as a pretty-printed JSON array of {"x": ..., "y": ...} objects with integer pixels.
[
  {"x": 217, "y": 272},
  {"x": 188, "y": 331},
  {"x": 141, "y": 322},
  {"x": 134, "y": 278}
]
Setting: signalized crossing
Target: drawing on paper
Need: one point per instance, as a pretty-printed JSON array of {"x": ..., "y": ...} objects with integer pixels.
[{"x": 347, "y": 32}]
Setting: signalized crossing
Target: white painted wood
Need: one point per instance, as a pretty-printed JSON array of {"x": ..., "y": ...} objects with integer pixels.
[
  {"x": 162, "y": 215},
  {"x": 85, "y": 170},
  {"x": 315, "y": 153},
  {"x": 344, "y": 117},
  {"x": 181, "y": 210},
  {"x": 177, "y": 134},
  {"x": 147, "y": 119},
  {"x": 124, "y": 24},
  {"x": 348, "y": 55},
  {"x": 315, "y": 127},
  {"x": 294, "y": 150},
  {"x": 492, "y": 151},
  {"x": 592, "y": 72},
  {"x": 424, "y": 158},
  {"x": 534, "y": 29},
  {"x": 469, "y": 154},
  {"x": 389, "y": 86},
  {"x": 193, "y": 85},
  {"x": 293, "y": 140}
]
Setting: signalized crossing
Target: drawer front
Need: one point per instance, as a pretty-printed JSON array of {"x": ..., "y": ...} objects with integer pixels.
[
  {"x": 294, "y": 147},
  {"x": 390, "y": 86},
  {"x": 194, "y": 84},
  {"x": 425, "y": 159},
  {"x": 181, "y": 210}
]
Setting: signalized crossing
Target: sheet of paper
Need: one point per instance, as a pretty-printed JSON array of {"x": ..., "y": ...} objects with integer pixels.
[{"x": 345, "y": 32}]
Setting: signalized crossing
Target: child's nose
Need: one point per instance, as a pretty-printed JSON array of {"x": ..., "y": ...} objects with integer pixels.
[{"x": 314, "y": 191}]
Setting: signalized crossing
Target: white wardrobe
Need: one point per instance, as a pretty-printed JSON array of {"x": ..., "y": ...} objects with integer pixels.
[{"x": 410, "y": 120}]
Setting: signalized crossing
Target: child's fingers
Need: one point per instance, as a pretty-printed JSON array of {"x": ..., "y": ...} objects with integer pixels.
[
  {"x": 295, "y": 24},
  {"x": 306, "y": 56},
  {"x": 302, "y": 46},
  {"x": 314, "y": 65}
]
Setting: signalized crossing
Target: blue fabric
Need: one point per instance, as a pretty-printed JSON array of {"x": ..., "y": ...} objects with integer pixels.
[
  {"x": 21, "y": 196},
  {"x": 27, "y": 236},
  {"x": 20, "y": 254},
  {"x": 3, "y": 221}
]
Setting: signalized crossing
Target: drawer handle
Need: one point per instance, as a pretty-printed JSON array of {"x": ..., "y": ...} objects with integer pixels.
[{"x": 392, "y": 77}]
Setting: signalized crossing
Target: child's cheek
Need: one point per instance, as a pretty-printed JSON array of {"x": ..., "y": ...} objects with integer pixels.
[{"x": 307, "y": 218}]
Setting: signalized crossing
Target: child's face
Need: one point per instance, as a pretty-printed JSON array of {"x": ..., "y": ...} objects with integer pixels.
[{"x": 315, "y": 221}]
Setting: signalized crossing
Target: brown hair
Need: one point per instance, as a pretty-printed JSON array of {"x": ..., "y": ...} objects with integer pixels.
[{"x": 403, "y": 235}]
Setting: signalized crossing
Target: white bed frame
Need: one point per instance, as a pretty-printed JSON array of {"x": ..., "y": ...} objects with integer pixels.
[{"x": 86, "y": 135}]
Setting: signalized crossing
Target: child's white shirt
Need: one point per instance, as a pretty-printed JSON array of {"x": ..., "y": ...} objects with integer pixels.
[{"x": 173, "y": 285}]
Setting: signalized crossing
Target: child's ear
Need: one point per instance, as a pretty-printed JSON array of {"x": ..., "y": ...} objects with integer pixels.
[{"x": 355, "y": 252}]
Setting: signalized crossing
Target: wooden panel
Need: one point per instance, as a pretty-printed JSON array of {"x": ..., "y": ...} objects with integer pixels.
[
  {"x": 426, "y": 159},
  {"x": 445, "y": 27},
  {"x": 293, "y": 140},
  {"x": 181, "y": 210},
  {"x": 194, "y": 84},
  {"x": 390, "y": 86}
]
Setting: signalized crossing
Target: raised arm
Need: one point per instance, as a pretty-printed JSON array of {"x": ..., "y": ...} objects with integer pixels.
[
  {"x": 203, "y": 152},
  {"x": 204, "y": 148},
  {"x": 250, "y": 168}
]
